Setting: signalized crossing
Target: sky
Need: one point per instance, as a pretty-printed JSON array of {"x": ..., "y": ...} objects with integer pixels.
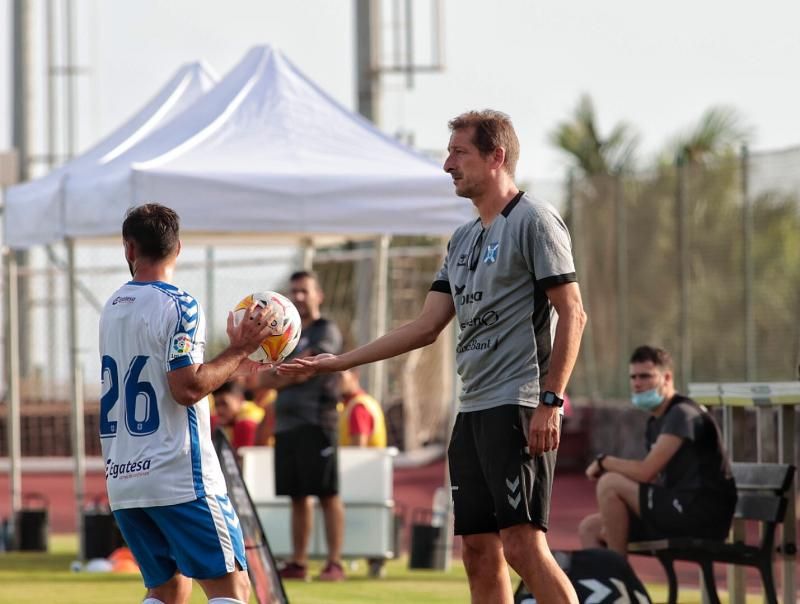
[{"x": 657, "y": 66}]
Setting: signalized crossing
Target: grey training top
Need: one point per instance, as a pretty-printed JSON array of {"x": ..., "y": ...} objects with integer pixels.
[
  {"x": 312, "y": 402},
  {"x": 498, "y": 276}
]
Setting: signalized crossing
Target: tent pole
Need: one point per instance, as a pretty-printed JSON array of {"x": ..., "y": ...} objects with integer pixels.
[
  {"x": 78, "y": 440},
  {"x": 13, "y": 383},
  {"x": 380, "y": 298},
  {"x": 307, "y": 250}
]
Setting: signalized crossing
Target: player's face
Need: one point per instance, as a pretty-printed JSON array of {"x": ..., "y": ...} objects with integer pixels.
[
  {"x": 465, "y": 164},
  {"x": 306, "y": 295},
  {"x": 645, "y": 376}
]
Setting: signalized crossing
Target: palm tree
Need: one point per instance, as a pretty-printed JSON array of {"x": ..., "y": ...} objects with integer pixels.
[
  {"x": 720, "y": 131},
  {"x": 579, "y": 137}
]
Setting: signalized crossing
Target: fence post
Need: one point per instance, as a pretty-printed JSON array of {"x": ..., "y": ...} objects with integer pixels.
[
  {"x": 578, "y": 238},
  {"x": 681, "y": 221},
  {"x": 747, "y": 257},
  {"x": 622, "y": 284}
]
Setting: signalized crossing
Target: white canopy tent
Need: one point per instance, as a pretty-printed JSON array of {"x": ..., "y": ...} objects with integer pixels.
[
  {"x": 34, "y": 210},
  {"x": 267, "y": 151},
  {"x": 263, "y": 152}
]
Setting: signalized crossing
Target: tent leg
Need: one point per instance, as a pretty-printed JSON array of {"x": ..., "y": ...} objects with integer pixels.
[
  {"x": 78, "y": 439},
  {"x": 12, "y": 383}
]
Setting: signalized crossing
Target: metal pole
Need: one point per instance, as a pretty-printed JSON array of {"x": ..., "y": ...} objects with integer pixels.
[
  {"x": 21, "y": 132},
  {"x": 308, "y": 253},
  {"x": 622, "y": 286},
  {"x": 731, "y": 417},
  {"x": 21, "y": 140},
  {"x": 367, "y": 58},
  {"x": 684, "y": 331},
  {"x": 12, "y": 382},
  {"x": 78, "y": 440},
  {"x": 380, "y": 298},
  {"x": 576, "y": 230},
  {"x": 749, "y": 271},
  {"x": 51, "y": 368},
  {"x": 786, "y": 452},
  {"x": 409, "y": 23},
  {"x": 69, "y": 77}
]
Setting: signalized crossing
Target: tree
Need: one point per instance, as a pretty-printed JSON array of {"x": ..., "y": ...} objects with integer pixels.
[
  {"x": 720, "y": 131},
  {"x": 580, "y": 138}
]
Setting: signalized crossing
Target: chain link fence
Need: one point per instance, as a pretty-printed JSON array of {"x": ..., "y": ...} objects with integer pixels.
[{"x": 700, "y": 258}]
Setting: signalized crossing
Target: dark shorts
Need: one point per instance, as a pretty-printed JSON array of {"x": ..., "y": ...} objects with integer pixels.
[
  {"x": 306, "y": 462},
  {"x": 671, "y": 513},
  {"x": 496, "y": 483}
]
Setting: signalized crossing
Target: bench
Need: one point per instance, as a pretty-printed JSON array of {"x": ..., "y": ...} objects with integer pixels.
[{"x": 762, "y": 490}]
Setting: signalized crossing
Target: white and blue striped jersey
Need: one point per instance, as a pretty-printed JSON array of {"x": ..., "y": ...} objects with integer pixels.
[{"x": 156, "y": 451}]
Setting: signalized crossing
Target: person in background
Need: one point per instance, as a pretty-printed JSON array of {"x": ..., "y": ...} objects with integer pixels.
[
  {"x": 239, "y": 418},
  {"x": 682, "y": 488},
  {"x": 306, "y": 435},
  {"x": 263, "y": 398},
  {"x": 361, "y": 420}
]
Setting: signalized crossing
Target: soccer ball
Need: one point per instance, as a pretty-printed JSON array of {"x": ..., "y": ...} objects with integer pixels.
[{"x": 275, "y": 348}]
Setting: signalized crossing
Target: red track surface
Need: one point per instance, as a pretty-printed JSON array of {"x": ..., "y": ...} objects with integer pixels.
[{"x": 573, "y": 498}]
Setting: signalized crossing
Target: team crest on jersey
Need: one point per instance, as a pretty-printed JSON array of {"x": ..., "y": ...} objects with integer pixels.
[
  {"x": 181, "y": 345},
  {"x": 490, "y": 256}
]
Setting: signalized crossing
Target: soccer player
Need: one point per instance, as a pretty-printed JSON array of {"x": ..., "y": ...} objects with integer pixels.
[
  {"x": 164, "y": 482},
  {"x": 505, "y": 274}
]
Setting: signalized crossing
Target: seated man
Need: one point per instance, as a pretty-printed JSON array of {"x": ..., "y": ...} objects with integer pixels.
[
  {"x": 238, "y": 417},
  {"x": 682, "y": 488}
]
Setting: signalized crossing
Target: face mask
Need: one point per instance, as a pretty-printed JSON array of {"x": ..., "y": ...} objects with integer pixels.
[{"x": 647, "y": 400}]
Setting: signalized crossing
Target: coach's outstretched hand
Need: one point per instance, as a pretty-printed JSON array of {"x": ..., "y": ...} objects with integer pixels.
[{"x": 309, "y": 366}]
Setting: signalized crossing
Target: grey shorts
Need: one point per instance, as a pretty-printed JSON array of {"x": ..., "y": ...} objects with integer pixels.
[{"x": 496, "y": 483}]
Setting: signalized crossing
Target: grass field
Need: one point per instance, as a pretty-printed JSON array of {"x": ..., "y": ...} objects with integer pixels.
[{"x": 33, "y": 578}]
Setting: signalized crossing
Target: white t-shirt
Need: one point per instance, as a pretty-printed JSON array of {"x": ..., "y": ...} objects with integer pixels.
[{"x": 156, "y": 451}]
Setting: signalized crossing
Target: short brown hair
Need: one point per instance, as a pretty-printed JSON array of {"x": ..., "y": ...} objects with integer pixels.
[
  {"x": 658, "y": 356},
  {"x": 493, "y": 129},
  {"x": 303, "y": 274},
  {"x": 154, "y": 228}
]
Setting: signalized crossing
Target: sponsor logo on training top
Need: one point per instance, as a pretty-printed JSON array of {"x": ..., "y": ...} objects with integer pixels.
[
  {"x": 127, "y": 469},
  {"x": 481, "y": 345},
  {"x": 488, "y": 319}
]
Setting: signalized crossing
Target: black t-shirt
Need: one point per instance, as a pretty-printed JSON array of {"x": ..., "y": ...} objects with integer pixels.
[
  {"x": 313, "y": 401},
  {"x": 700, "y": 463}
]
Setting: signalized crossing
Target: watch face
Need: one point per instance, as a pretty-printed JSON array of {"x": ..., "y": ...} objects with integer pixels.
[{"x": 550, "y": 399}]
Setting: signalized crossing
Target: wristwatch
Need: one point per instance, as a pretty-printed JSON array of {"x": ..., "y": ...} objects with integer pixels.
[
  {"x": 599, "y": 459},
  {"x": 549, "y": 398}
]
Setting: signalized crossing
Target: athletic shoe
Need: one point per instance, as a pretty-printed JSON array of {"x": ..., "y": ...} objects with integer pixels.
[
  {"x": 293, "y": 570},
  {"x": 333, "y": 571}
]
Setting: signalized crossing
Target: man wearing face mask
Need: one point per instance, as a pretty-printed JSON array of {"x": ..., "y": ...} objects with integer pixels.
[{"x": 682, "y": 488}]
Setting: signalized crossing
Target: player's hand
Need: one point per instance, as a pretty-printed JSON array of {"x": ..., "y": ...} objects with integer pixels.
[
  {"x": 257, "y": 324},
  {"x": 593, "y": 472},
  {"x": 247, "y": 367},
  {"x": 309, "y": 366},
  {"x": 545, "y": 430}
]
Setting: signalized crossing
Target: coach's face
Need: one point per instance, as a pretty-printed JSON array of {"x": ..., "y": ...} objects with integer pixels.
[{"x": 465, "y": 164}]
